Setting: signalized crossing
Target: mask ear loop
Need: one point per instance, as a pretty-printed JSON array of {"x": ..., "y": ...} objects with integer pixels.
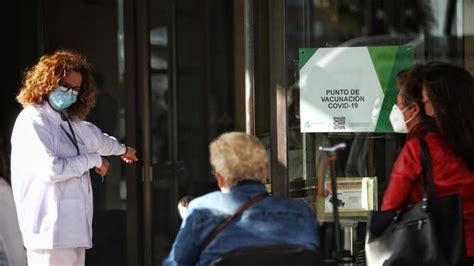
[{"x": 404, "y": 109}]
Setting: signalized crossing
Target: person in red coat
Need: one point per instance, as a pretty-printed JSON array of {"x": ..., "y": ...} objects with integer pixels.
[{"x": 435, "y": 102}]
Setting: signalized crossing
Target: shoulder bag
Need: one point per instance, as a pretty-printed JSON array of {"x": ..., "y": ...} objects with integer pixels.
[
  {"x": 229, "y": 219},
  {"x": 429, "y": 232}
]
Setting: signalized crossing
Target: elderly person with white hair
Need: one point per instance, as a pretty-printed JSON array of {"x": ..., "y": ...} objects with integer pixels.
[{"x": 240, "y": 165}]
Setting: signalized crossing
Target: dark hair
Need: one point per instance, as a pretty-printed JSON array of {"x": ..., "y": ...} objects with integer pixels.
[
  {"x": 184, "y": 201},
  {"x": 451, "y": 91},
  {"x": 410, "y": 84}
]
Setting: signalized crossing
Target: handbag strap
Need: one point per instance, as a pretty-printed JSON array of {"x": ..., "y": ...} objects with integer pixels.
[
  {"x": 429, "y": 189},
  {"x": 229, "y": 219}
]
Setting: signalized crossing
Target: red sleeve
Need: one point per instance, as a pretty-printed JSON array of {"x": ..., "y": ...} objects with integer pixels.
[{"x": 406, "y": 170}]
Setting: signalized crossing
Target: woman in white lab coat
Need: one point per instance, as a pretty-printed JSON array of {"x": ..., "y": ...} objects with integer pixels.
[{"x": 53, "y": 149}]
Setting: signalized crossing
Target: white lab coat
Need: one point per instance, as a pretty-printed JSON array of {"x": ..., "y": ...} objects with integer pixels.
[{"x": 51, "y": 183}]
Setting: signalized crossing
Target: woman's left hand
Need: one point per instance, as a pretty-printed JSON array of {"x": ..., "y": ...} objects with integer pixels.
[{"x": 130, "y": 156}]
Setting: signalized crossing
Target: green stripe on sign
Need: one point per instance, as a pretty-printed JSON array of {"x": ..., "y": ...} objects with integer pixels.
[
  {"x": 403, "y": 60},
  {"x": 305, "y": 55},
  {"x": 383, "y": 59}
]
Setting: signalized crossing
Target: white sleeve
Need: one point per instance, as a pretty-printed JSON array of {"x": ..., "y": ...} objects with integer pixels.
[
  {"x": 32, "y": 150},
  {"x": 97, "y": 141}
]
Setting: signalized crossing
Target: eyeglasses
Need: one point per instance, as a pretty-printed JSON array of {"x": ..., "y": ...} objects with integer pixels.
[{"x": 65, "y": 87}]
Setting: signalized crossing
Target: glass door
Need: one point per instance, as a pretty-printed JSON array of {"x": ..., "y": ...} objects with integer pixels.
[
  {"x": 96, "y": 29},
  {"x": 436, "y": 31},
  {"x": 191, "y": 98}
]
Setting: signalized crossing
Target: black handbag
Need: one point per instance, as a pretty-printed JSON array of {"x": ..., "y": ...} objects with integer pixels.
[{"x": 429, "y": 232}]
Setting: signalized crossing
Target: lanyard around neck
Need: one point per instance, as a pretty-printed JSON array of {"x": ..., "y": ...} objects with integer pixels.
[{"x": 73, "y": 137}]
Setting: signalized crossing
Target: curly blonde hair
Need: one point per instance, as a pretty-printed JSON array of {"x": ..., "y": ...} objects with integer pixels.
[
  {"x": 238, "y": 156},
  {"x": 46, "y": 75}
]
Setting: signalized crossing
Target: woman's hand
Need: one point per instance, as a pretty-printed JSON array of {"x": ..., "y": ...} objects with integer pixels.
[
  {"x": 130, "y": 156},
  {"x": 102, "y": 170}
]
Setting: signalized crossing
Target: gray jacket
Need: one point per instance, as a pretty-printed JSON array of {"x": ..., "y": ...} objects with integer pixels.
[{"x": 12, "y": 251}]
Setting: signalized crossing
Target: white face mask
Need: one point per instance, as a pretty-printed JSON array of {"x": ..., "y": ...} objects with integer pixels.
[{"x": 398, "y": 121}]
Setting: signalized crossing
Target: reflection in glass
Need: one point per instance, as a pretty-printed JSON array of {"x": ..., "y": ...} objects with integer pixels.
[
  {"x": 191, "y": 103},
  {"x": 433, "y": 28}
]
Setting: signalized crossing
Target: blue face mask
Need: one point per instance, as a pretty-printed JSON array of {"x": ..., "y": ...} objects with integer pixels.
[{"x": 62, "y": 97}]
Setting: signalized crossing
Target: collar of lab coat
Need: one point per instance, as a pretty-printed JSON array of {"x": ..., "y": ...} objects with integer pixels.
[{"x": 51, "y": 113}]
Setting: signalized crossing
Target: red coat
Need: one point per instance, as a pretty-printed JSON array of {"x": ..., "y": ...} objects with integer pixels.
[{"x": 451, "y": 175}]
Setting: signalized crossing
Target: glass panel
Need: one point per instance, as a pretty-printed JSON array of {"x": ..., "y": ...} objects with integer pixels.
[
  {"x": 106, "y": 31},
  {"x": 434, "y": 28},
  {"x": 161, "y": 125},
  {"x": 192, "y": 102},
  {"x": 469, "y": 35},
  {"x": 102, "y": 44}
]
